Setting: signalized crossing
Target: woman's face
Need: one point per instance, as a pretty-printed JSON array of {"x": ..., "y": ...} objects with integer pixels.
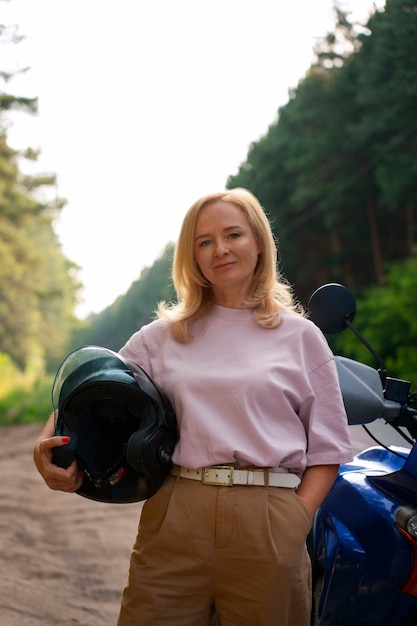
[{"x": 226, "y": 251}]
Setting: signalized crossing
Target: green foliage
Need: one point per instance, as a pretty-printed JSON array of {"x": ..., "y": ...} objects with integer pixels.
[
  {"x": 387, "y": 319},
  {"x": 391, "y": 78},
  {"x": 337, "y": 170},
  {"x": 38, "y": 286},
  {"x": 24, "y": 396},
  {"x": 26, "y": 404}
]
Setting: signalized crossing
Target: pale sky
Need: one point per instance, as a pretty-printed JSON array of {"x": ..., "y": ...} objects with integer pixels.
[{"x": 146, "y": 105}]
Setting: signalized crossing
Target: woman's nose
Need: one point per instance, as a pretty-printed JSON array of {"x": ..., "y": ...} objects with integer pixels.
[{"x": 220, "y": 248}]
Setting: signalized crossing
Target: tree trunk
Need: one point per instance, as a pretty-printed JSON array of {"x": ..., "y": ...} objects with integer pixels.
[
  {"x": 375, "y": 241},
  {"x": 410, "y": 229}
]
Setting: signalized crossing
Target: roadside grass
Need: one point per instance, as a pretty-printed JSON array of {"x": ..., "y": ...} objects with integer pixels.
[
  {"x": 26, "y": 403},
  {"x": 25, "y": 395}
]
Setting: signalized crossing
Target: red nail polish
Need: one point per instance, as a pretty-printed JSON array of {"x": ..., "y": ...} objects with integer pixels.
[{"x": 65, "y": 439}]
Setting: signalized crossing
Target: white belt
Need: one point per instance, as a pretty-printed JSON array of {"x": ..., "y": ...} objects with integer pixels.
[{"x": 227, "y": 476}]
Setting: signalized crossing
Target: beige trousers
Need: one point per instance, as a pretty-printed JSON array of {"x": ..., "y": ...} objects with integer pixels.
[{"x": 237, "y": 552}]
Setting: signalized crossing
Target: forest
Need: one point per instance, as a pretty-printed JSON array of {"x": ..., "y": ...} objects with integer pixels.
[{"x": 336, "y": 172}]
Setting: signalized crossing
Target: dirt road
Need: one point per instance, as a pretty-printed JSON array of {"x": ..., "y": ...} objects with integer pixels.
[{"x": 64, "y": 559}]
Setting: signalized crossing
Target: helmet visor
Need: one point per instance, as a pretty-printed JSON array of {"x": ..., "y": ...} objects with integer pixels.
[{"x": 83, "y": 366}]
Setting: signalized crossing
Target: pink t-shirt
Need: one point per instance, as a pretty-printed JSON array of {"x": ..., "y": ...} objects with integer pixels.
[{"x": 246, "y": 394}]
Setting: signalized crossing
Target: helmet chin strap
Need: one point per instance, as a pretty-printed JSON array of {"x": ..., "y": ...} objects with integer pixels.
[
  {"x": 112, "y": 480},
  {"x": 111, "y": 476}
]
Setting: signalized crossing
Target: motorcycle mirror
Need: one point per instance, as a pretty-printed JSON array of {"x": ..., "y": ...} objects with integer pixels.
[{"x": 332, "y": 308}]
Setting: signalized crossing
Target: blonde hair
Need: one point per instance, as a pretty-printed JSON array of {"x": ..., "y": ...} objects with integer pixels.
[{"x": 269, "y": 294}]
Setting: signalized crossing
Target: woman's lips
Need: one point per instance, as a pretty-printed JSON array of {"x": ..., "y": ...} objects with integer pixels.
[{"x": 223, "y": 266}]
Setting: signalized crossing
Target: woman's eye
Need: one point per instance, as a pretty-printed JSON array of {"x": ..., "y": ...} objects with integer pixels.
[
  {"x": 234, "y": 235},
  {"x": 204, "y": 243}
]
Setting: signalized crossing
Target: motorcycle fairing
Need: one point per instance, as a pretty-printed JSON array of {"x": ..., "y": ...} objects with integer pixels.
[{"x": 362, "y": 571}]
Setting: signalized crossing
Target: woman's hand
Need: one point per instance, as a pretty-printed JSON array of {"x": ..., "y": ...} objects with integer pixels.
[
  {"x": 58, "y": 478},
  {"x": 315, "y": 484}
]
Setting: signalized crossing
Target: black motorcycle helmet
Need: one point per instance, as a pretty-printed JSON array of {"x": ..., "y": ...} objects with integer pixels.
[{"x": 123, "y": 429}]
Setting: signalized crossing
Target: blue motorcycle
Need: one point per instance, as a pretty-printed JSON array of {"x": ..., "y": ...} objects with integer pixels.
[{"x": 363, "y": 544}]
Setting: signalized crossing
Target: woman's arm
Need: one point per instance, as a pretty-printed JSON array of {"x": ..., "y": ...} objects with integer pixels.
[
  {"x": 55, "y": 477},
  {"x": 315, "y": 484}
]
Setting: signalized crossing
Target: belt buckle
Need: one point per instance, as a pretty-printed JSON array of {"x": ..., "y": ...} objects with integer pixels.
[{"x": 206, "y": 481}]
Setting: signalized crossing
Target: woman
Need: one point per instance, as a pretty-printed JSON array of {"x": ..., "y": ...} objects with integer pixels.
[{"x": 262, "y": 433}]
